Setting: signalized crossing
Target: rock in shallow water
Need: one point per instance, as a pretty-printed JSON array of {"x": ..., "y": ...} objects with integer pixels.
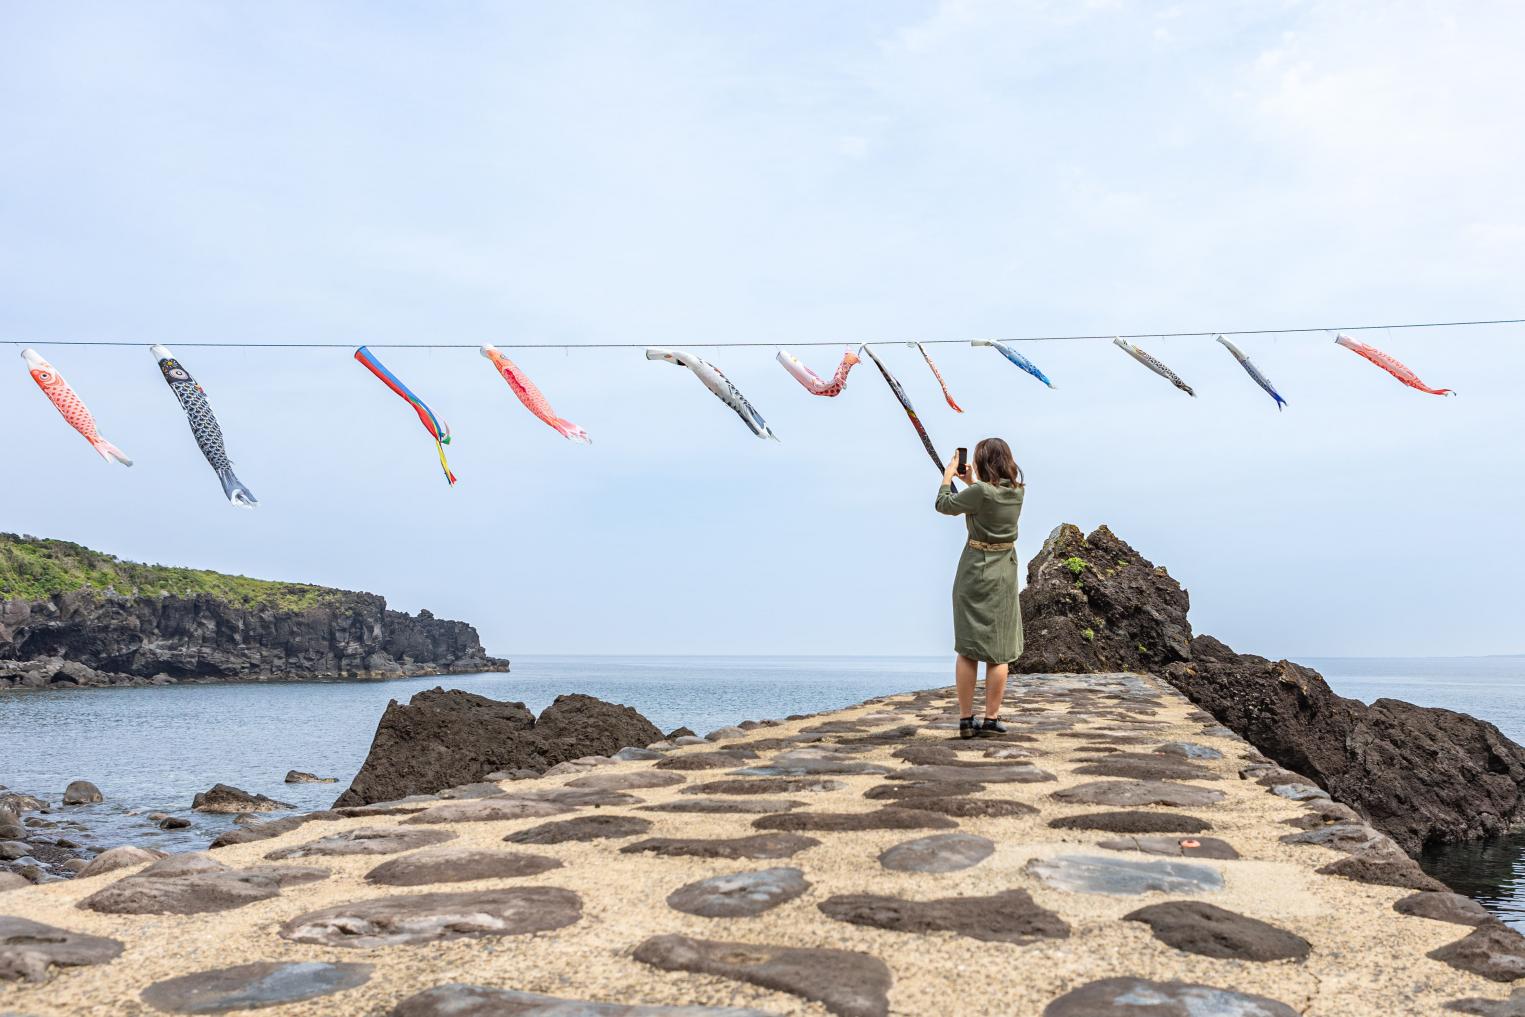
[
  {"x": 847, "y": 983},
  {"x": 82, "y": 792},
  {"x": 1008, "y": 917},
  {"x": 944, "y": 852},
  {"x": 432, "y": 917},
  {"x": 1211, "y": 931},
  {"x": 226, "y": 798},
  {"x": 458, "y": 865},
  {"x": 1099, "y": 874},
  {"x": 1139, "y": 997},
  {"x": 30, "y": 950},
  {"x": 739, "y": 894},
  {"x": 253, "y": 986},
  {"x": 458, "y": 1000}
]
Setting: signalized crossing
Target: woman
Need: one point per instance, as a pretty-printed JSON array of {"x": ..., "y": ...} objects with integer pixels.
[{"x": 987, "y": 617}]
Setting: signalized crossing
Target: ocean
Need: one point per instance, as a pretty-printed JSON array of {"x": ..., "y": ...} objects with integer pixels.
[{"x": 151, "y": 749}]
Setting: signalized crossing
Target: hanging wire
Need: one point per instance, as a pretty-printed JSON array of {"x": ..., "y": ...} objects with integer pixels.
[{"x": 773, "y": 342}]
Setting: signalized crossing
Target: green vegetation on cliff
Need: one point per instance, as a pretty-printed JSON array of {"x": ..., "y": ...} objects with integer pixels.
[{"x": 33, "y": 568}]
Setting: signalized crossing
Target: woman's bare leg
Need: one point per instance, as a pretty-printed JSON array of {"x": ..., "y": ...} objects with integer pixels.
[
  {"x": 995, "y": 689},
  {"x": 965, "y": 671}
]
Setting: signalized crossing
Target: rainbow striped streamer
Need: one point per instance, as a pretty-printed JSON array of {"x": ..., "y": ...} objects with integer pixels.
[{"x": 437, "y": 428}]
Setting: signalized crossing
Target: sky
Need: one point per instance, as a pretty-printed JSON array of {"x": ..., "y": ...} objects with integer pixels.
[{"x": 682, "y": 174}]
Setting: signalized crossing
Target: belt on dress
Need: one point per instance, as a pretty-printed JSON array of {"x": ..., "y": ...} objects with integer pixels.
[{"x": 980, "y": 545}]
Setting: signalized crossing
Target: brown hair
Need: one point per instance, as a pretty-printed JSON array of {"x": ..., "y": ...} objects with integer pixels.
[{"x": 993, "y": 462}]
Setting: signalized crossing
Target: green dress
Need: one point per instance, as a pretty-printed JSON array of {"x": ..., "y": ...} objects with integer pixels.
[{"x": 987, "y": 616}]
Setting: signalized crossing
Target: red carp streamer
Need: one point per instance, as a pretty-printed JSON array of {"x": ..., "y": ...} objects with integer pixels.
[
  {"x": 939, "y": 376},
  {"x": 1390, "y": 364}
]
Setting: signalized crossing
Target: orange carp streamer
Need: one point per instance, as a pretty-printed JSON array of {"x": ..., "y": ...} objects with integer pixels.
[
  {"x": 1392, "y": 365},
  {"x": 70, "y": 406},
  {"x": 939, "y": 376},
  {"x": 530, "y": 396}
]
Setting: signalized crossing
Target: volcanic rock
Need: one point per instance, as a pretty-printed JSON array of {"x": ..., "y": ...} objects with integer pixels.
[
  {"x": 943, "y": 852},
  {"x": 758, "y": 845},
  {"x": 1098, "y": 874},
  {"x": 443, "y": 739},
  {"x": 1132, "y": 822},
  {"x": 365, "y": 840},
  {"x": 1492, "y": 950},
  {"x": 1200, "y": 928},
  {"x": 582, "y": 828},
  {"x": 740, "y": 894},
  {"x": 1008, "y": 917},
  {"x": 432, "y": 917},
  {"x": 1139, "y": 997},
  {"x": 229, "y": 799},
  {"x": 460, "y": 1000},
  {"x": 847, "y": 983},
  {"x": 252, "y": 986},
  {"x": 1443, "y": 906},
  {"x": 30, "y": 950},
  {"x": 458, "y": 865}
]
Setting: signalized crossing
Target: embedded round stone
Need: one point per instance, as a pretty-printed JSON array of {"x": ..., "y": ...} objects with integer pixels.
[
  {"x": 726, "y": 806},
  {"x": 1100, "y": 874},
  {"x": 970, "y": 808},
  {"x": 1189, "y": 750},
  {"x": 1138, "y": 792},
  {"x": 1008, "y": 917},
  {"x": 984, "y": 773},
  {"x": 458, "y": 865},
  {"x": 801, "y": 762},
  {"x": 1443, "y": 906},
  {"x": 1352, "y": 838},
  {"x": 1299, "y": 792},
  {"x": 1139, "y": 997},
  {"x": 1514, "y": 1006},
  {"x": 1132, "y": 822},
  {"x": 700, "y": 761},
  {"x": 1396, "y": 869},
  {"x": 943, "y": 852},
  {"x": 765, "y": 786},
  {"x": 575, "y": 797},
  {"x": 458, "y": 1000},
  {"x": 483, "y": 810},
  {"x": 1177, "y": 847},
  {"x": 923, "y": 753},
  {"x": 632, "y": 753},
  {"x": 847, "y": 983},
  {"x": 740, "y": 894},
  {"x": 582, "y": 828},
  {"x": 366, "y": 840},
  {"x": 1199, "y": 928},
  {"x": 842, "y": 822},
  {"x": 1492, "y": 950},
  {"x": 252, "y": 986},
  {"x": 922, "y": 789},
  {"x": 188, "y": 886},
  {"x": 432, "y": 917},
  {"x": 759, "y": 845},
  {"x": 30, "y": 950},
  {"x": 627, "y": 781},
  {"x": 1145, "y": 766}
]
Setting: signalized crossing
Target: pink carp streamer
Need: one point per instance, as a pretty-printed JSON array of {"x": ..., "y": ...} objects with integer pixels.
[
  {"x": 530, "y": 396},
  {"x": 939, "y": 376},
  {"x": 1390, "y": 364},
  {"x": 814, "y": 383}
]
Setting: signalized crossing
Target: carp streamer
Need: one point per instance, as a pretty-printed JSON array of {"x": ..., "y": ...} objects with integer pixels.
[
  {"x": 70, "y": 406},
  {"x": 1390, "y": 364},
  {"x": 530, "y": 396},
  {"x": 719, "y": 384},
  {"x": 939, "y": 376},
  {"x": 1154, "y": 365},
  {"x": 905, "y": 403},
  {"x": 813, "y": 382},
  {"x": 437, "y": 428},
  {"x": 1254, "y": 372},
  {"x": 208, "y": 435},
  {"x": 1015, "y": 358}
]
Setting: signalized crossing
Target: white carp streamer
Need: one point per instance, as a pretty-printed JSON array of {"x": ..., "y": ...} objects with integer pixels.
[
  {"x": 719, "y": 384},
  {"x": 1154, "y": 365}
]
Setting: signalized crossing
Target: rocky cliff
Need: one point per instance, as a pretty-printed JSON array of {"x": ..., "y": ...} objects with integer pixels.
[
  {"x": 1420, "y": 775},
  {"x": 218, "y": 628}
]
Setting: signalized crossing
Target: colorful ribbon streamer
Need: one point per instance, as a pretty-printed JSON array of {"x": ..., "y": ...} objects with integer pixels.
[{"x": 437, "y": 428}]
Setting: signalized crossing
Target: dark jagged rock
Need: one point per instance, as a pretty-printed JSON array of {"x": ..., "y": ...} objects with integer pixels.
[
  {"x": 226, "y": 798},
  {"x": 443, "y": 739},
  {"x": 1492, "y": 950},
  {"x": 1132, "y": 822},
  {"x": 1139, "y": 997},
  {"x": 89, "y": 638},
  {"x": 1443, "y": 906},
  {"x": 1200, "y": 928},
  {"x": 1093, "y": 604},
  {"x": 1007, "y": 917},
  {"x": 1420, "y": 775}
]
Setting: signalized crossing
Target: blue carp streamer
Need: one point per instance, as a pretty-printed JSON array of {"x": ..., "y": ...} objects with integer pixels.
[
  {"x": 1254, "y": 372},
  {"x": 1015, "y": 358}
]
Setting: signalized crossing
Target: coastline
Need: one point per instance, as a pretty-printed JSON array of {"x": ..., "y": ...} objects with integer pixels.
[
  {"x": 495, "y": 665},
  {"x": 1363, "y": 956}
]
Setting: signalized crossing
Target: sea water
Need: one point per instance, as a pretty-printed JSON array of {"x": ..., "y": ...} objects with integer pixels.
[{"x": 151, "y": 749}]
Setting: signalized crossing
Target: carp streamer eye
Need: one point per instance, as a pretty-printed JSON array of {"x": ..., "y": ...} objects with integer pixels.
[
  {"x": 44, "y": 376},
  {"x": 179, "y": 374}
]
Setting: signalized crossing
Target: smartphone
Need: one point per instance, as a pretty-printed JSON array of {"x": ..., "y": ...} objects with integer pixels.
[{"x": 963, "y": 461}]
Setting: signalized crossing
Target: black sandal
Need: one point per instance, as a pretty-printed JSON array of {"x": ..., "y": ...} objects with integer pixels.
[
  {"x": 966, "y": 728},
  {"x": 992, "y": 726}
]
